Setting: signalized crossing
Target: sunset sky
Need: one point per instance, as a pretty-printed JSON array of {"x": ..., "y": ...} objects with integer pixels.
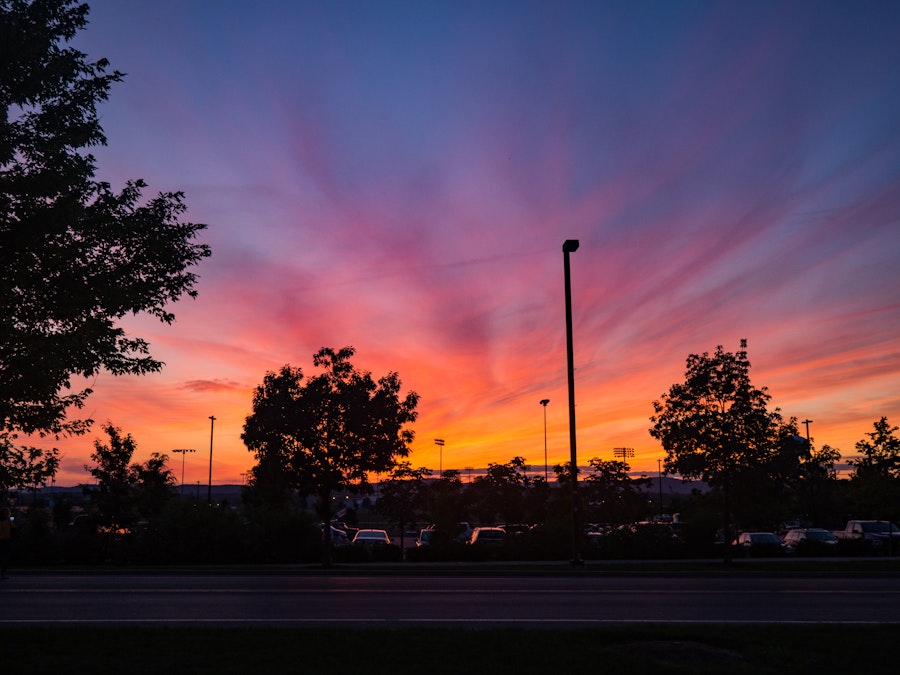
[{"x": 400, "y": 177}]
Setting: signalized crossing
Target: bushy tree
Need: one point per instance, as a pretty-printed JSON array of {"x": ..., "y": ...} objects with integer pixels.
[
  {"x": 613, "y": 496},
  {"x": 875, "y": 481},
  {"x": 330, "y": 431},
  {"x": 75, "y": 255},
  {"x": 154, "y": 485},
  {"x": 716, "y": 427},
  {"x": 113, "y": 476},
  {"x": 879, "y": 454},
  {"x": 125, "y": 490},
  {"x": 500, "y": 492}
]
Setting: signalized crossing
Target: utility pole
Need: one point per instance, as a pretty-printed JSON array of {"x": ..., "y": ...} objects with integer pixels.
[{"x": 212, "y": 423}]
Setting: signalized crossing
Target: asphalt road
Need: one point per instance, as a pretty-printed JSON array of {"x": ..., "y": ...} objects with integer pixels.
[{"x": 455, "y": 600}]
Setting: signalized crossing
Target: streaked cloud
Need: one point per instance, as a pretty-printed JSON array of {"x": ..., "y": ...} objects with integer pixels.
[{"x": 400, "y": 178}]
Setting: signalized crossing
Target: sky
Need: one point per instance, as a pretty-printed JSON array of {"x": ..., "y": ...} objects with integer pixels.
[{"x": 400, "y": 177}]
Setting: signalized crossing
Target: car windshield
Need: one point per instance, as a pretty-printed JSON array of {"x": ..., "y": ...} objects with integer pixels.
[
  {"x": 763, "y": 538},
  {"x": 878, "y": 527},
  {"x": 820, "y": 535}
]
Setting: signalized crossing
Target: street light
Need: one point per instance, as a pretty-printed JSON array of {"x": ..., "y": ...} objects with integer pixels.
[
  {"x": 183, "y": 452},
  {"x": 212, "y": 423},
  {"x": 544, "y": 402},
  {"x": 570, "y": 246},
  {"x": 440, "y": 443}
]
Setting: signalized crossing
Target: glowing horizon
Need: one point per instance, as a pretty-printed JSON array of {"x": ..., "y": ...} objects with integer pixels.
[{"x": 400, "y": 178}]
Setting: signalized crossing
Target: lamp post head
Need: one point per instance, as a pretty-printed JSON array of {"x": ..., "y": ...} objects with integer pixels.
[
  {"x": 545, "y": 401},
  {"x": 570, "y": 246}
]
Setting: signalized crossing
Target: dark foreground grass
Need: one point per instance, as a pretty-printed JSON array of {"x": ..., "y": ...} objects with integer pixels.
[{"x": 657, "y": 649}]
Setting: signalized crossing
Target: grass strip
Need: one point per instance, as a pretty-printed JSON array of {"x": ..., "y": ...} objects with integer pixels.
[{"x": 658, "y": 649}]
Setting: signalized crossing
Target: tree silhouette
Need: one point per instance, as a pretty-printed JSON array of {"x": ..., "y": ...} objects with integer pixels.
[
  {"x": 125, "y": 491},
  {"x": 331, "y": 431},
  {"x": 154, "y": 485},
  {"x": 75, "y": 256},
  {"x": 715, "y": 426},
  {"x": 114, "y": 477},
  {"x": 612, "y": 495},
  {"x": 500, "y": 492},
  {"x": 875, "y": 482},
  {"x": 25, "y": 467}
]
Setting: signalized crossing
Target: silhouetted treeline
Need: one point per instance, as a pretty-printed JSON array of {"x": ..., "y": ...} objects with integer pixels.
[{"x": 537, "y": 517}]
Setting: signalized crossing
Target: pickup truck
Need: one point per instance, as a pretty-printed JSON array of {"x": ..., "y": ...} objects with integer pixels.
[{"x": 874, "y": 536}]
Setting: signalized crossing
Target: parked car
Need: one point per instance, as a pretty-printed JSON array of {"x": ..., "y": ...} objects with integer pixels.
[
  {"x": 810, "y": 541},
  {"x": 759, "y": 544},
  {"x": 464, "y": 531},
  {"x": 371, "y": 538},
  {"x": 425, "y": 537},
  {"x": 873, "y": 536},
  {"x": 338, "y": 536},
  {"x": 487, "y": 536}
]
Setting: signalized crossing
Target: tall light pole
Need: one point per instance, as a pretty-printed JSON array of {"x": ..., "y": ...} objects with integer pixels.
[
  {"x": 212, "y": 424},
  {"x": 624, "y": 453},
  {"x": 544, "y": 402},
  {"x": 440, "y": 443},
  {"x": 183, "y": 452},
  {"x": 570, "y": 246}
]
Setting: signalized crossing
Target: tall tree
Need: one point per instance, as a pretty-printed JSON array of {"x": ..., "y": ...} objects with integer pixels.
[
  {"x": 114, "y": 477},
  {"x": 880, "y": 452},
  {"x": 332, "y": 430},
  {"x": 875, "y": 481},
  {"x": 75, "y": 255},
  {"x": 716, "y": 427}
]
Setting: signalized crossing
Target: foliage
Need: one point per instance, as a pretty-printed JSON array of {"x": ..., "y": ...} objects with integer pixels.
[
  {"x": 500, "y": 492},
  {"x": 154, "y": 485},
  {"x": 402, "y": 495},
  {"x": 269, "y": 485},
  {"x": 875, "y": 482},
  {"x": 444, "y": 504},
  {"x": 715, "y": 426},
  {"x": 880, "y": 454},
  {"x": 814, "y": 494},
  {"x": 125, "y": 491},
  {"x": 75, "y": 256},
  {"x": 113, "y": 476},
  {"x": 330, "y": 431},
  {"x": 25, "y": 467},
  {"x": 612, "y": 495}
]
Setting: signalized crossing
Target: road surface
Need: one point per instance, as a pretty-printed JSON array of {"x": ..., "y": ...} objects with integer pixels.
[{"x": 288, "y": 599}]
